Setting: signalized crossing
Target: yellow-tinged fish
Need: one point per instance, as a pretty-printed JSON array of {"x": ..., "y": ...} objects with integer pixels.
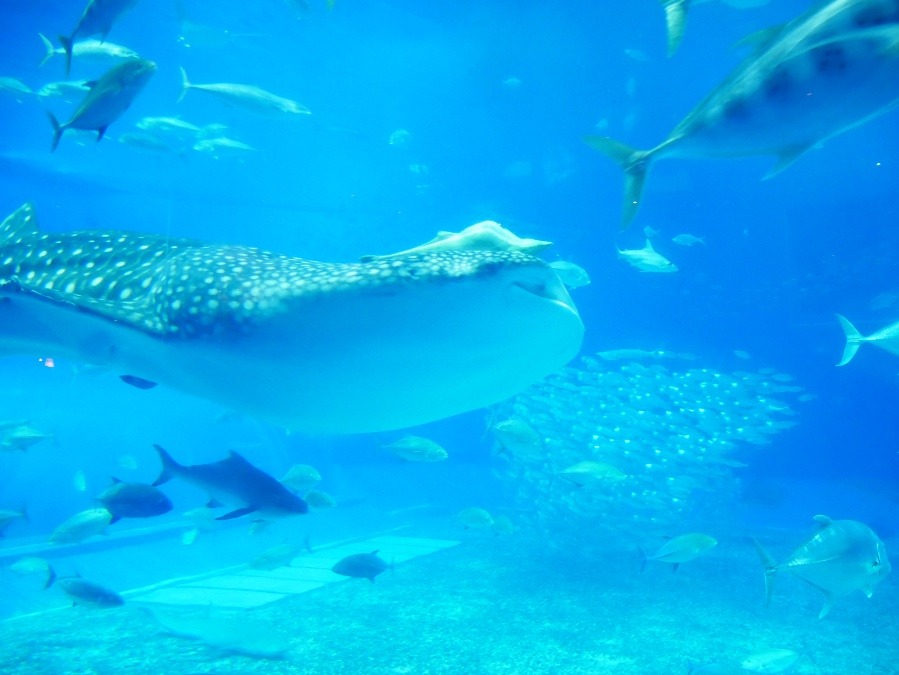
[
  {"x": 831, "y": 69},
  {"x": 108, "y": 99},
  {"x": 681, "y": 549},
  {"x": 417, "y": 449},
  {"x": 843, "y": 556}
]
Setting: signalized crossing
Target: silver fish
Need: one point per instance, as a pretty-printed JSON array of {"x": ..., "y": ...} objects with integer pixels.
[
  {"x": 88, "y": 50},
  {"x": 886, "y": 338},
  {"x": 107, "y": 100},
  {"x": 831, "y": 69},
  {"x": 316, "y": 347},
  {"x": 97, "y": 19},
  {"x": 843, "y": 556},
  {"x": 647, "y": 259},
  {"x": 246, "y": 96}
]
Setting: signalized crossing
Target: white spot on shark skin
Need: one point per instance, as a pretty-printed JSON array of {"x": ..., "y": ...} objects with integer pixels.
[{"x": 317, "y": 347}]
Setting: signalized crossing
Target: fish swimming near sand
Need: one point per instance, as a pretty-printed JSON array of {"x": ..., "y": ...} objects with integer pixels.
[
  {"x": 843, "y": 556},
  {"x": 108, "y": 99},
  {"x": 831, "y": 69},
  {"x": 315, "y": 347},
  {"x": 234, "y": 480},
  {"x": 361, "y": 566},
  {"x": 86, "y": 593},
  {"x": 886, "y": 338},
  {"x": 681, "y": 549}
]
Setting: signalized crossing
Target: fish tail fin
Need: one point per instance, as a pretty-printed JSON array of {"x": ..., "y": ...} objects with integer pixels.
[
  {"x": 51, "y": 577},
  {"x": 51, "y": 50},
  {"x": 57, "y": 131},
  {"x": 634, "y": 163},
  {"x": 169, "y": 466},
  {"x": 66, "y": 43},
  {"x": 770, "y": 569},
  {"x": 643, "y": 558},
  {"x": 854, "y": 340},
  {"x": 185, "y": 85},
  {"x": 676, "y": 22}
]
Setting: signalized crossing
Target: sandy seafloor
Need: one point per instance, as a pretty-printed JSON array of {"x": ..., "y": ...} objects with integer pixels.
[{"x": 502, "y": 605}]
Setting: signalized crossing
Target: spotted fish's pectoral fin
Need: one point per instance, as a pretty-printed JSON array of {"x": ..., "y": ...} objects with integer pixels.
[
  {"x": 828, "y": 604},
  {"x": 237, "y": 513},
  {"x": 19, "y": 224},
  {"x": 137, "y": 382},
  {"x": 823, "y": 521},
  {"x": 785, "y": 158}
]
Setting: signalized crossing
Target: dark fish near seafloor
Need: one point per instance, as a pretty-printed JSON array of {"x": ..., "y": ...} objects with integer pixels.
[
  {"x": 235, "y": 481},
  {"x": 133, "y": 500},
  {"x": 316, "y": 347},
  {"x": 831, "y": 69},
  {"x": 85, "y": 592},
  {"x": 843, "y": 556},
  {"x": 361, "y": 566}
]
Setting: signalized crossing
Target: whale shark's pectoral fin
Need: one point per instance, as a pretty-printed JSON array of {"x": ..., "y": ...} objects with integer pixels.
[
  {"x": 138, "y": 382},
  {"x": 238, "y": 513}
]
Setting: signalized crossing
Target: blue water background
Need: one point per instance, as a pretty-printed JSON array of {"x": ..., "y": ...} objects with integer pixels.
[{"x": 783, "y": 255}]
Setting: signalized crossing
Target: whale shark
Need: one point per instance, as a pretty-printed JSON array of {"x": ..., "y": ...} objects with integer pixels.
[{"x": 315, "y": 347}]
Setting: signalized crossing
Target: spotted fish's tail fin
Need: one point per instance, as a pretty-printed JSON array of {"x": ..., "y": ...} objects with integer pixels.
[
  {"x": 634, "y": 163},
  {"x": 66, "y": 43},
  {"x": 770, "y": 569},
  {"x": 854, "y": 340},
  {"x": 676, "y": 21},
  {"x": 19, "y": 224}
]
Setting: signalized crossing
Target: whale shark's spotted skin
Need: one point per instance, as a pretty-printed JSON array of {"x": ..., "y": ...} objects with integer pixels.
[
  {"x": 185, "y": 288},
  {"x": 315, "y": 346}
]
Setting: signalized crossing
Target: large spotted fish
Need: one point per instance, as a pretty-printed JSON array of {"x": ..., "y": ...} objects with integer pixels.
[
  {"x": 317, "y": 347},
  {"x": 827, "y": 71}
]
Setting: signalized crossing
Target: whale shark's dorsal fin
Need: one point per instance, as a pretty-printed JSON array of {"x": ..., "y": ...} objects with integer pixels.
[{"x": 18, "y": 225}]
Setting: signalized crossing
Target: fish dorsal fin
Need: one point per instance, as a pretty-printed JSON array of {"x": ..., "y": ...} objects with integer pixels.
[
  {"x": 236, "y": 457},
  {"x": 785, "y": 158},
  {"x": 760, "y": 39},
  {"x": 375, "y": 552},
  {"x": 823, "y": 521},
  {"x": 90, "y": 84},
  {"x": 648, "y": 246},
  {"x": 19, "y": 225},
  {"x": 115, "y": 481}
]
